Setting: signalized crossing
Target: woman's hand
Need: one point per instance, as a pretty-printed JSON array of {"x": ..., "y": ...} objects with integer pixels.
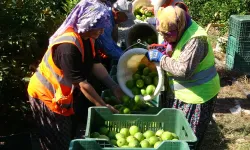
[
  {"x": 111, "y": 108},
  {"x": 154, "y": 55},
  {"x": 159, "y": 47}
]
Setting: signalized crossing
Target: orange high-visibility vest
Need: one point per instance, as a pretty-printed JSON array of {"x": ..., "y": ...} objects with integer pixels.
[{"x": 48, "y": 82}]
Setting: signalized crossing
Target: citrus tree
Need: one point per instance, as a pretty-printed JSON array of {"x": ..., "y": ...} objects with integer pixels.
[
  {"x": 214, "y": 11},
  {"x": 25, "y": 28}
]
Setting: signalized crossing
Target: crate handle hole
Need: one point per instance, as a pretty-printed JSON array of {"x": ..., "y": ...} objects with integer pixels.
[{"x": 183, "y": 128}]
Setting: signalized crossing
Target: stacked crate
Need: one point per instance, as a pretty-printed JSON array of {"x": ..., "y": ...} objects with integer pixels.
[{"x": 238, "y": 46}]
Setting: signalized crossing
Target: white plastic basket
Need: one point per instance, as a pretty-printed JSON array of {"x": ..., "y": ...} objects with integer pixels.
[
  {"x": 128, "y": 64},
  {"x": 136, "y": 4}
]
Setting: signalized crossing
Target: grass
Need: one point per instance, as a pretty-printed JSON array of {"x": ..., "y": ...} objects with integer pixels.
[{"x": 228, "y": 131}]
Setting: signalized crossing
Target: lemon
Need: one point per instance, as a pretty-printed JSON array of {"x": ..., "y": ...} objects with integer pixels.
[
  {"x": 146, "y": 71},
  {"x": 150, "y": 89},
  {"x": 143, "y": 92},
  {"x": 139, "y": 83},
  {"x": 147, "y": 80},
  {"x": 153, "y": 74},
  {"x": 136, "y": 76},
  {"x": 125, "y": 99},
  {"x": 130, "y": 84},
  {"x": 137, "y": 99},
  {"x": 135, "y": 90},
  {"x": 156, "y": 79},
  {"x": 126, "y": 111},
  {"x": 141, "y": 66}
]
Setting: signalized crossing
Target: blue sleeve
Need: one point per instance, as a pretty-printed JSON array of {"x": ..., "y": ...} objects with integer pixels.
[{"x": 106, "y": 42}]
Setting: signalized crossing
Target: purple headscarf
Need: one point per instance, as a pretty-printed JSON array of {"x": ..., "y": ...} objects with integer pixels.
[{"x": 87, "y": 14}]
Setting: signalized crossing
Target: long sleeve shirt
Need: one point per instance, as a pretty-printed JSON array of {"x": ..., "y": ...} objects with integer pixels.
[
  {"x": 191, "y": 55},
  {"x": 106, "y": 42}
]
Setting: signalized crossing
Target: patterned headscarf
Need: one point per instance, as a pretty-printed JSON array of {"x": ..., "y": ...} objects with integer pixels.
[
  {"x": 172, "y": 18},
  {"x": 87, "y": 14}
]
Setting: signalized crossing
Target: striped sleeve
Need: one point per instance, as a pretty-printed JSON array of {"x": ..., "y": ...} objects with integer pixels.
[{"x": 191, "y": 55}]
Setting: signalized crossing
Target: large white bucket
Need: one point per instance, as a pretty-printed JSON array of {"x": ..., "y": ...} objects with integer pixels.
[
  {"x": 136, "y": 4},
  {"x": 127, "y": 66}
]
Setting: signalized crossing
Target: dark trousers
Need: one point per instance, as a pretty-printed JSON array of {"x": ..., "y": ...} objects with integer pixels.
[
  {"x": 79, "y": 119},
  {"x": 56, "y": 131},
  {"x": 198, "y": 115}
]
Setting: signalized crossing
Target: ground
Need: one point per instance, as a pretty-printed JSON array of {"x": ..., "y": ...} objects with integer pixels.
[{"x": 229, "y": 131}]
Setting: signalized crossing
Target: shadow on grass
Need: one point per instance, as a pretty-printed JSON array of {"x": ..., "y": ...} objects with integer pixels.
[
  {"x": 223, "y": 105},
  {"x": 214, "y": 139}
]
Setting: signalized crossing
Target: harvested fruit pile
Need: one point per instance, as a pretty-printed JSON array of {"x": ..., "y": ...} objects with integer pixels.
[
  {"x": 144, "y": 81},
  {"x": 133, "y": 137},
  {"x": 128, "y": 104},
  {"x": 142, "y": 15}
]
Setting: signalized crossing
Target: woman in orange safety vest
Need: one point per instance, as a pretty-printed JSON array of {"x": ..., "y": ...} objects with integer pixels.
[{"x": 60, "y": 84}]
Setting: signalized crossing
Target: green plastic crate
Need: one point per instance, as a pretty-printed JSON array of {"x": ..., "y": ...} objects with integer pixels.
[
  {"x": 169, "y": 119},
  {"x": 241, "y": 48},
  {"x": 91, "y": 144},
  {"x": 113, "y": 70},
  {"x": 236, "y": 63},
  {"x": 240, "y": 26}
]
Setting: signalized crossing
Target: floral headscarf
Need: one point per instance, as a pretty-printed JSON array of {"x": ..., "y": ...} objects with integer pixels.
[
  {"x": 170, "y": 18},
  {"x": 87, "y": 14}
]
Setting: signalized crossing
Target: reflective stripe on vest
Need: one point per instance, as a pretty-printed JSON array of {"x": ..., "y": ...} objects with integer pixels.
[
  {"x": 204, "y": 84},
  {"x": 68, "y": 38},
  {"x": 72, "y": 39},
  {"x": 199, "y": 79},
  {"x": 59, "y": 77},
  {"x": 45, "y": 82},
  {"x": 55, "y": 90}
]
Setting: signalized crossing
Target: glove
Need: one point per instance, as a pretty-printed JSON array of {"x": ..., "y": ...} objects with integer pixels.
[
  {"x": 159, "y": 47},
  {"x": 154, "y": 55}
]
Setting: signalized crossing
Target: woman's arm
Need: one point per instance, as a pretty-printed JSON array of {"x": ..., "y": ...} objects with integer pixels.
[
  {"x": 101, "y": 73},
  {"x": 90, "y": 93},
  {"x": 68, "y": 58},
  {"x": 192, "y": 54}
]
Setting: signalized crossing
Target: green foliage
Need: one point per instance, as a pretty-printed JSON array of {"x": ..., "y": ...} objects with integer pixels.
[
  {"x": 25, "y": 28},
  {"x": 214, "y": 11},
  {"x": 69, "y": 5}
]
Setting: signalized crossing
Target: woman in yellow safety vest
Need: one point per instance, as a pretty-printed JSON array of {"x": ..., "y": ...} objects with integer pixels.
[
  {"x": 192, "y": 76},
  {"x": 60, "y": 87}
]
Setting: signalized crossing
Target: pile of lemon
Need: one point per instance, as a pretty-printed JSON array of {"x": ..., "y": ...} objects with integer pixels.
[
  {"x": 132, "y": 137},
  {"x": 144, "y": 81}
]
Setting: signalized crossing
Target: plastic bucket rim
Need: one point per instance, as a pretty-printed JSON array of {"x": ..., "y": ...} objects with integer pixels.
[{"x": 123, "y": 84}]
